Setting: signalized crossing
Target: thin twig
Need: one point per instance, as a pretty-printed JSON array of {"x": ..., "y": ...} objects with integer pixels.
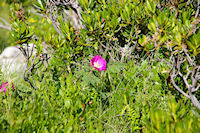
[
  {"x": 198, "y": 6},
  {"x": 5, "y": 27}
]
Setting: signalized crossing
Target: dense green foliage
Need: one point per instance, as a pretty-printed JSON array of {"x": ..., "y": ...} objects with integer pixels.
[
  {"x": 134, "y": 94},
  {"x": 4, "y": 34},
  {"x": 132, "y": 101}
]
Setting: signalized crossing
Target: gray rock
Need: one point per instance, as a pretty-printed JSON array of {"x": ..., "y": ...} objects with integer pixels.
[{"x": 12, "y": 60}]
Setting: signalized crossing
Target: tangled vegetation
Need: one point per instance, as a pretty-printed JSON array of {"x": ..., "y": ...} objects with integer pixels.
[{"x": 150, "y": 83}]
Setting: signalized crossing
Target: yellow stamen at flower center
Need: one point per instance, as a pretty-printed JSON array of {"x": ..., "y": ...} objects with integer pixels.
[{"x": 97, "y": 65}]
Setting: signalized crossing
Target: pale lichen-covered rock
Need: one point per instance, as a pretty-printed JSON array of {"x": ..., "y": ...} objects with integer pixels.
[{"x": 12, "y": 60}]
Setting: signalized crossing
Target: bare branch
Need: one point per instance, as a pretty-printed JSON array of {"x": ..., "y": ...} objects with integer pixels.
[
  {"x": 173, "y": 82},
  {"x": 194, "y": 100},
  {"x": 195, "y": 89},
  {"x": 191, "y": 62},
  {"x": 193, "y": 75},
  {"x": 188, "y": 72},
  {"x": 75, "y": 16},
  {"x": 198, "y": 6},
  {"x": 6, "y": 25}
]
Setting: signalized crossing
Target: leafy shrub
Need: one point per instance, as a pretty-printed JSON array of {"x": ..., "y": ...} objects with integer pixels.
[{"x": 143, "y": 43}]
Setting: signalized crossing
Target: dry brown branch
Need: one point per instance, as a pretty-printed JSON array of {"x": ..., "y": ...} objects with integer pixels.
[
  {"x": 198, "y": 6},
  {"x": 190, "y": 79},
  {"x": 53, "y": 6},
  {"x": 33, "y": 63}
]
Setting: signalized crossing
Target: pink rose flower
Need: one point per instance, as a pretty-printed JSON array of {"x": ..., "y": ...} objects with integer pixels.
[
  {"x": 98, "y": 63},
  {"x": 5, "y": 86},
  {"x": 102, "y": 20}
]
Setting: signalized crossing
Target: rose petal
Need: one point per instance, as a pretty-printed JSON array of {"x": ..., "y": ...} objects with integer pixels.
[
  {"x": 5, "y": 86},
  {"x": 101, "y": 62},
  {"x": 95, "y": 59}
]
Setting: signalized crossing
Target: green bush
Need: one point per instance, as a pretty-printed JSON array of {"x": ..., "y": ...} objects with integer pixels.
[
  {"x": 136, "y": 93},
  {"x": 4, "y": 34}
]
